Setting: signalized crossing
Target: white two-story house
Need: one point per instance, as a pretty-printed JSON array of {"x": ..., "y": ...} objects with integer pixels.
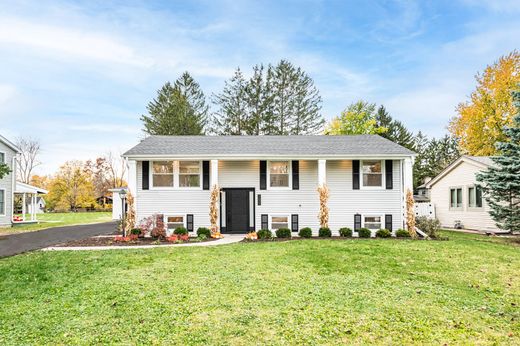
[
  {"x": 8, "y": 153},
  {"x": 271, "y": 181}
]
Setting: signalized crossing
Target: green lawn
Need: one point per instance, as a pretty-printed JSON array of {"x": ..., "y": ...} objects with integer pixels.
[
  {"x": 60, "y": 219},
  {"x": 462, "y": 291}
]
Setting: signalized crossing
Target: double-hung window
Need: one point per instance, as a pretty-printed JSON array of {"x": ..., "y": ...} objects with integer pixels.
[
  {"x": 2, "y": 202},
  {"x": 174, "y": 222},
  {"x": 162, "y": 174},
  {"x": 279, "y": 221},
  {"x": 279, "y": 173},
  {"x": 456, "y": 197},
  {"x": 178, "y": 174},
  {"x": 189, "y": 173},
  {"x": 372, "y": 173},
  {"x": 372, "y": 222},
  {"x": 2, "y": 157},
  {"x": 475, "y": 196}
]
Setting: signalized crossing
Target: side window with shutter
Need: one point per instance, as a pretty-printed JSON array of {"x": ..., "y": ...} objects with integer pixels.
[
  {"x": 263, "y": 175},
  {"x": 357, "y": 222},
  {"x": 145, "y": 165},
  {"x": 389, "y": 174},
  {"x": 388, "y": 222},
  {"x": 264, "y": 221},
  {"x": 294, "y": 222},
  {"x": 355, "y": 174}
]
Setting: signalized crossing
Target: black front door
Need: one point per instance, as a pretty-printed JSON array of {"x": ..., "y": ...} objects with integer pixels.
[{"x": 237, "y": 210}]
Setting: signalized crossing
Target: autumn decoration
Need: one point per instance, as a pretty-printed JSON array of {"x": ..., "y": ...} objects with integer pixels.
[{"x": 323, "y": 216}]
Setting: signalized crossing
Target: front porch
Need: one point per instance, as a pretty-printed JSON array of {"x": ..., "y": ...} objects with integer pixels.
[{"x": 27, "y": 196}]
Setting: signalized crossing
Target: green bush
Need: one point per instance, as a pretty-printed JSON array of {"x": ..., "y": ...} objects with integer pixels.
[
  {"x": 364, "y": 233},
  {"x": 383, "y": 233},
  {"x": 135, "y": 231},
  {"x": 305, "y": 232},
  {"x": 180, "y": 231},
  {"x": 264, "y": 234},
  {"x": 402, "y": 233},
  {"x": 203, "y": 231},
  {"x": 283, "y": 233},
  {"x": 202, "y": 237},
  {"x": 345, "y": 232},
  {"x": 428, "y": 226},
  {"x": 324, "y": 232}
]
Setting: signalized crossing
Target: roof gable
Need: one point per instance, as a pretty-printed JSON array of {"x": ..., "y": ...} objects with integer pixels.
[
  {"x": 481, "y": 162},
  {"x": 244, "y": 146},
  {"x": 9, "y": 144}
]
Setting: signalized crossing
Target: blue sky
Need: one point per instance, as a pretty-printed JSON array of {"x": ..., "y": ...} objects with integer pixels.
[{"x": 78, "y": 74}]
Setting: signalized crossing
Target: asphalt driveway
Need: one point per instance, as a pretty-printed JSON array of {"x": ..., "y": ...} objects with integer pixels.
[{"x": 14, "y": 244}]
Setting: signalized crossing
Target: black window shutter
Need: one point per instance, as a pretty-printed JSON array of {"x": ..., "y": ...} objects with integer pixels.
[
  {"x": 263, "y": 175},
  {"x": 205, "y": 175},
  {"x": 294, "y": 222},
  {"x": 295, "y": 175},
  {"x": 265, "y": 224},
  {"x": 146, "y": 175},
  {"x": 189, "y": 222},
  {"x": 389, "y": 172},
  {"x": 388, "y": 222},
  {"x": 355, "y": 174},
  {"x": 357, "y": 222}
]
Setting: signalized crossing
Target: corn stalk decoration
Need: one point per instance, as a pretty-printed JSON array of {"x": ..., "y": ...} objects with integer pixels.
[
  {"x": 213, "y": 209},
  {"x": 410, "y": 214},
  {"x": 323, "y": 216},
  {"x": 130, "y": 212}
]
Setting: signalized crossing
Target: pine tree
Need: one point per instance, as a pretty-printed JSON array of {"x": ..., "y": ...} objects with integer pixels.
[
  {"x": 194, "y": 95},
  {"x": 307, "y": 105},
  {"x": 395, "y": 130},
  {"x": 257, "y": 100},
  {"x": 170, "y": 113},
  {"x": 231, "y": 117},
  {"x": 501, "y": 182},
  {"x": 284, "y": 91}
]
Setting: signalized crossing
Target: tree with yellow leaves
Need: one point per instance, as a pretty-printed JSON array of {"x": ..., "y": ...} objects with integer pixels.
[{"x": 480, "y": 121}]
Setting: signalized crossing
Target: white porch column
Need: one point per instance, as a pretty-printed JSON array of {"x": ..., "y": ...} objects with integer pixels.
[
  {"x": 132, "y": 176},
  {"x": 214, "y": 172},
  {"x": 33, "y": 207},
  {"x": 24, "y": 206},
  {"x": 322, "y": 172}
]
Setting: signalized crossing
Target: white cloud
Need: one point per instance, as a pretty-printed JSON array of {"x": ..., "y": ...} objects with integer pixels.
[{"x": 7, "y": 92}]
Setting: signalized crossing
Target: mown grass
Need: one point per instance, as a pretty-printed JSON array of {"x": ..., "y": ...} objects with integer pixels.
[
  {"x": 48, "y": 220},
  {"x": 462, "y": 291}
]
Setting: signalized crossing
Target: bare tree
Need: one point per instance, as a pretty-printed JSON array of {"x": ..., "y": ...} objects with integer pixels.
[
  {"x": 28, "y": 159},
  {"x": 117, "y": 169}
]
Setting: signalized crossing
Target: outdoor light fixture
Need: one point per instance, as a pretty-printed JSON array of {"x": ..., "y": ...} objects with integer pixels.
[{"x": 122, "y": 194}]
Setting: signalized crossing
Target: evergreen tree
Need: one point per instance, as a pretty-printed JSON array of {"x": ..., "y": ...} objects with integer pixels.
[
  {"x": 284, "y": 80},
  {"x": 307, "y": 105},
  {"x": 501, "y": 183},
  {"x": 257, "y": 99},
  {"x": 232, "y": 117},
  {"x": 170, "y": 113},
  {"x": 395, "y": 130},
  {"x": 194, "y": 95}
]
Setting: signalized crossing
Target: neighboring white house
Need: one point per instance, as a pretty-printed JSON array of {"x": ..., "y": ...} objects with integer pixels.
[
  {"x": 270, "y": 181},
  {"x": 8, "y": 153},
  {"x": 457, "y": 196}
]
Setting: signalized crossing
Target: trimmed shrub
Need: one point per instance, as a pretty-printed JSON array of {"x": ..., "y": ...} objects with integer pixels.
[
  {"x": 180, "y": 231},
  {"x": 203, "y": 231},
  {"x": 264, "y": 234},
  {"x": 428, "y": 226},
  {"x": 305, "y": 232},
  {"x": 283, "y": 233},
  {"x": 324, "y": 232},
  {"x": 135, "y": 231},
  {"x": 364, "y": 233},
  {"x": 202, "y": 237},
  {"x": 383, "y": 233},
  {"x": 402, "y": 233},
  {"x": 345, "y": 232}
]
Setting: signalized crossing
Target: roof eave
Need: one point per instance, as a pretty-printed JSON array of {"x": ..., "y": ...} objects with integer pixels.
[{"x": 140, "y": 157}]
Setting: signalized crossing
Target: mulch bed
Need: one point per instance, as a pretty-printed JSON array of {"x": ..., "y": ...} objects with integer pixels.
[{"x": 109, "y": 241}]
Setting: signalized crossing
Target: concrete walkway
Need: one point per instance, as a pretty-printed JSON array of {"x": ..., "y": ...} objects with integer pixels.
[
  {"x": 14, "y": 244},
  {"x": 228, "y": 239}
]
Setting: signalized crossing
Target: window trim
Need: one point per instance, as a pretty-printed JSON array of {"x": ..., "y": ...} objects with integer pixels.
[
  {"x": 268, "y": 175},
  {"x": 383, "y": 176},
  {"x": 5, "y": 202},
  {"x": 462, "y": 204},
  {"x": 166, "y": 216},
  {"x": 176, "y": 171},
  {"x": 270, "y": 220},
  {"x": 475, "y": 208},
  {"x": 381, "y": 217}
]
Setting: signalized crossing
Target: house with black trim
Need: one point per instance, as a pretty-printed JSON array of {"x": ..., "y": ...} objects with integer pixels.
[{"x": 271, "y": 182}]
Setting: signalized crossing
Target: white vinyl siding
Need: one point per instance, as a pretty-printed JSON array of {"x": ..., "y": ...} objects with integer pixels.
[
  {"x": 344, "y": 202},
  {"x": 6, "y": 185},
  {"x": 462, "y": 176}
]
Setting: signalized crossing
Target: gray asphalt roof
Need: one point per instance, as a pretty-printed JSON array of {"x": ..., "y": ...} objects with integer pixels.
[{"x": 266, "y": 145}]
